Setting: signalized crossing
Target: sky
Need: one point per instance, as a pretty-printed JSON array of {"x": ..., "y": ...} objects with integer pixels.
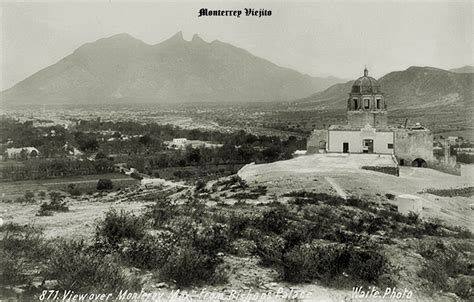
[{"x": 319, "y": 38}]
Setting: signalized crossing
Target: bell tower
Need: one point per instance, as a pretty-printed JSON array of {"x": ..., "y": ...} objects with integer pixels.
[{"x": 366, "y": 104}]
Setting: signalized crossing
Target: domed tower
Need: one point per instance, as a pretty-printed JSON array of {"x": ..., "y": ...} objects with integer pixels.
[{"x": 366, "y": 104}]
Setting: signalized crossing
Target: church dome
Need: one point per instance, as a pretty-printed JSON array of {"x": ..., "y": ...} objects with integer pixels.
[{"x": 366, "y": 84}]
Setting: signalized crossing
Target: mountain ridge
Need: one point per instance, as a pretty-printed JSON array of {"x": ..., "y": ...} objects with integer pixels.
[
  {"x": 415, "y": 87},
  {"x": 123, "y": 67}
]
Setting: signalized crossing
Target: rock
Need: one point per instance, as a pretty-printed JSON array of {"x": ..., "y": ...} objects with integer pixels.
[
  {"x": 452, "y": 296},
  {"x": 51, "y": 284},
  {"x": 18, "y": 290},
  {"x": 161, "y": 285}
]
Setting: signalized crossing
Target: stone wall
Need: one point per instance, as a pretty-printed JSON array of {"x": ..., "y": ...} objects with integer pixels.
[
  {"x": 412, "y": 144},
  {"x": 317, "y": 141},
  {"x": 384, "y": 169}
]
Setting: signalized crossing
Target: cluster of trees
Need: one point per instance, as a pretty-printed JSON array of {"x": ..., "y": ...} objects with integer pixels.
[
  {"x": 44, "y": 168},
  {"x": 142, "y": 149}
]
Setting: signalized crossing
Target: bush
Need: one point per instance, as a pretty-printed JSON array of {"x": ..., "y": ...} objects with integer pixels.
[
  {"x": 47, "y": 208},
  {"x": 443, "y": 261},
  {"x": 243, "y": 247},
  {"x": 23, "y": 241},
  {"x": 73, "y": 190},
  {"x": 327, "y": 262},
  {"x": 274, "y": 220},
  {"x": 105, "y": 184},
  {"x": 135, "y": 175},
  {"x": 55, "y": 196},
  {"x": 200, "y": 185},
  {"x": 390, "y": 196},
  {"x": 463, "y": 288},
  {"x": 12, "y": 271},
  {"x": 161, "y": 212},
  {"x": 150, "y": 252},
  {"x": 21, "y": 248},
  {"x": 76, "y": 267},
  {"x": 304, "y": 197},
  {"x": 270, "y": 249},
  {"x": 436, "y": 275},
  {"x": 245, "y": 195},
  {"x": 29, "y": 195},
  {"x": 186, "y": 266},
  {"x": 118, "y": 226}
]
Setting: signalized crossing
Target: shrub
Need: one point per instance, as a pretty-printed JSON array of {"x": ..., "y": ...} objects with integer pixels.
[
  {"x": 260, "y": 190},
  {"x": 12, "y": 271},
  {"x": 390, "y": 196},
  {"x": 53, "y": 206},
  {"x": 366, "y": 264},
  {"x": 327, "y": 262},
  {"x": 359, "y": 203},
  {"x": 150, "y": 252},
  {"x": 200, "y": 185},
  {"x": 444, "y": 261},
  {"x": 42, "y": 194},
  {"x": 136, "y": 175},
  {"x": 304, "y": 197},
  {"x": 243, "y": 247},
  {"x": 73, "y": 190},
  {"x": 118, "y": 226},
  {"x": 274, "y": 220},
  {"x": 161, "y": 212},
  {"x": 238, "y": 223},
  {"x": 186, "y": 266},
  {"x": 270, "y": 249},
  {"x": 23, "y": 241},
  {"x": 436, "y": 275},
  {"x": 463, "y": 288},
  {"x": 75, "y": 266},
  {"x": 29, "y": 195},
  {"x": 21, "y": 248},
  {"x": 55, "y": 196},
  {"x": 105, "y": 184},
  {"x": 245, "y": 195}
]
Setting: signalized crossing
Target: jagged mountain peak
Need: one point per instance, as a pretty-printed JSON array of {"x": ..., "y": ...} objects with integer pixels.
[{"x": 175, "y": 70}]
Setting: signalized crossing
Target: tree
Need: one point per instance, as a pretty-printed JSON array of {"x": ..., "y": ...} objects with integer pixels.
[
  {"x": 33, "y": 154},
  {"x": 104, "y": 184},
  {"x": 100, "y": 155},
  {"x": 145, "y": 140},
  {"x": 193, "y": 155}
]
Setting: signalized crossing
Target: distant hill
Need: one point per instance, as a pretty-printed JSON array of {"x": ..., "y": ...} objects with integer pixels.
[
  {"x": 464, "y": 69},
  {"x": 122, "y": 68},
  {"x": 416, "y": 87}
]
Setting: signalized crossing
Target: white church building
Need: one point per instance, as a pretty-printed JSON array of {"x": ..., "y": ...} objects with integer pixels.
[{"x": 367, "y": 130}]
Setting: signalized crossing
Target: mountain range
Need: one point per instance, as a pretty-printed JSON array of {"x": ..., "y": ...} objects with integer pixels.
[
  {"x": 415, "y": 87},
  {"x": 122, "y": 68}
]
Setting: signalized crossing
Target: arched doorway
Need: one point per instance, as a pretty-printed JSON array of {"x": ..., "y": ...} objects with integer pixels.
[{"x": 419, "y": 162}]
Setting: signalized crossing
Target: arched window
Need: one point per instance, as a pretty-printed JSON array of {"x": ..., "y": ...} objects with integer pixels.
[{"x": 366, "y": 104}]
